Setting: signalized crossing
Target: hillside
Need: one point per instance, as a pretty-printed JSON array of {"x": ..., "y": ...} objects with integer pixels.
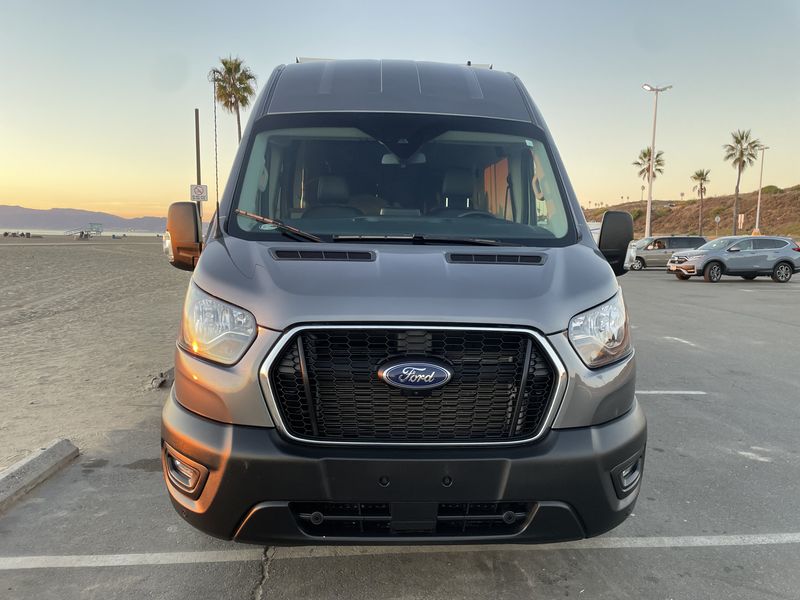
[
  {"x": 21, "y": 218},
  {"x": 780, "y": 213}
]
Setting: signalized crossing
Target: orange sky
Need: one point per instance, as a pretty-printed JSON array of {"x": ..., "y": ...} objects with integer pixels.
[{"x": 96, "y": 107}]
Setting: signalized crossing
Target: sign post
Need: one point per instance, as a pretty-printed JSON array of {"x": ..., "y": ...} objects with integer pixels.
[
  {"x": 198, "y": 193},
  {"x": 716, "y": 222}
]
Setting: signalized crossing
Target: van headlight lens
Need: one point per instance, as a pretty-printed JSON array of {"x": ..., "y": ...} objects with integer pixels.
[
  {"x": 601, "y": 335},
  {"x": 214, "y": 329}
]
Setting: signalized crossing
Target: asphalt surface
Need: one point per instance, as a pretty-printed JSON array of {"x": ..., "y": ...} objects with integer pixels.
[{"x": 717, "y": 517}]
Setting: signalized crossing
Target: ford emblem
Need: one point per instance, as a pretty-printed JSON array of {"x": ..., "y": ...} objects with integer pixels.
[{"x": 423, "y": 374}]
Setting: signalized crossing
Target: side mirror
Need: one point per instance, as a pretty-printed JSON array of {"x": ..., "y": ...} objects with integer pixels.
[
  {"x": 734, "y": 249},
  {"x": 616, "y": 233},
  {"x": 183, "y": 240}
]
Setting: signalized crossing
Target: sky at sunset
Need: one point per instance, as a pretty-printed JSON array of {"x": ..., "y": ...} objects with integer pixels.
[{"x": 97, "y": 98}]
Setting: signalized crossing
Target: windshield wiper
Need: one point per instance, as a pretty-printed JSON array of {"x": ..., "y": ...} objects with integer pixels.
[
  {"x": 281, "y": 226},
  {"x": 420, "y": 239}
]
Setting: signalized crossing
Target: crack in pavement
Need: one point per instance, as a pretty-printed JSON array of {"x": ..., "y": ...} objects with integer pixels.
[{"x": 258, "y": 592}]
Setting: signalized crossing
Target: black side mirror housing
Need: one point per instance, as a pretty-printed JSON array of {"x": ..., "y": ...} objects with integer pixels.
[
  {"x": 734, "y": 249},
  {"x": 183, "y": 240},
  {"x": 616, "y": 234}
]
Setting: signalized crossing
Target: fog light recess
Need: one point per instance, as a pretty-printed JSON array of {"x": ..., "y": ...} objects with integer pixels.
[
  {"x": 627, "y": 475},
  {"x": 187, "y": 475}
]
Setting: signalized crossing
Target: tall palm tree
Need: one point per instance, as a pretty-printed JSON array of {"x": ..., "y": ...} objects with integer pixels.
[
  {"x": 643, "y": 163},
  {"x": 234, "y": 84},
  {"x": 742, "y": 153},
  {"x": 700, "y": 177}
]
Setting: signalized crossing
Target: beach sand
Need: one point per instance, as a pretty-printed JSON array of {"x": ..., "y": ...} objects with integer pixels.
[{"x": 84, "y": 325}]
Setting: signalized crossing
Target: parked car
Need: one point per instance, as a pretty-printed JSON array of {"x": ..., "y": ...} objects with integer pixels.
[
  {"x": 656, "y": 251},
  {"x": 745, "y": 256},
  {"x": 400, "y": 328}
]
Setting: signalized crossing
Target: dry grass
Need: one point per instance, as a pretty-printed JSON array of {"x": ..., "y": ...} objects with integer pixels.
[{"x": 780, "y": 214}]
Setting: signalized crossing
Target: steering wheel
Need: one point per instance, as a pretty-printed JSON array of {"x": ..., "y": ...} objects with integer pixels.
[{"x": 476, "y": 213}]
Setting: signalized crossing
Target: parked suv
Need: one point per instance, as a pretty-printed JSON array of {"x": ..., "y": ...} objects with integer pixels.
[
  {"x": 400, "y": 329},
  {"x": 745, "y": 256},
  {"x": 656, "y": 251}
]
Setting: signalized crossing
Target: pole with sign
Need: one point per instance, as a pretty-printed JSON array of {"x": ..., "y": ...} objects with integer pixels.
[{"x": 716, "y": 222}]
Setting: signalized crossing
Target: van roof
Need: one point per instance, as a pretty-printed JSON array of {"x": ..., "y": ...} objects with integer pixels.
[{"x": 396, "y": 86}]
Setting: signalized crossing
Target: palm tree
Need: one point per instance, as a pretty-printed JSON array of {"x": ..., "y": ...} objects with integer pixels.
[
  {"x": 700, "y": 177},
  {"x": 742, "y": 153},
  {"x": 643, "y": 163},
  {"x": 233, "y": 86}
]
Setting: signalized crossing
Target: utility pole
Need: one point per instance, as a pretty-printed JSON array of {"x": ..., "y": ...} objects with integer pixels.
[
  {"x": 651, "y": 171},
  {"x": 197, "y": 154},
  {"x": 757, "y": 231}
]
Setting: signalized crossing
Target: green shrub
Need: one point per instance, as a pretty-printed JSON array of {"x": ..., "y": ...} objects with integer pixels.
[
  {"x": 771, "y": 189},
  {"x": 637, "y": 214}
]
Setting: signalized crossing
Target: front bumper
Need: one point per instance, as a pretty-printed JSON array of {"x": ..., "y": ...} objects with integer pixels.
[
  {"x": 262, "y": 489},
  {"x": 685, "y": 267}
]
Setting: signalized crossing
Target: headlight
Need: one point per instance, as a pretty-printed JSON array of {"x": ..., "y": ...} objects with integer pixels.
[
  {"x": 600, "y": 335},
  {"x": 214, "y": 329},
  {"x": 697, "y": 257}
]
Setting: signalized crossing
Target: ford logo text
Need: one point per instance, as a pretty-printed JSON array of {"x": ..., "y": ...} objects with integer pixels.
[{"x": 415, "y": 375}]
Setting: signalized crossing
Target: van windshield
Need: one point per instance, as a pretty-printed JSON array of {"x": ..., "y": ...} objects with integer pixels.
[{"x": 342, "y": 182}]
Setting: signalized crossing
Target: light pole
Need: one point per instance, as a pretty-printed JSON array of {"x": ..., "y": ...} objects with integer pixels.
[
  {"x": 757, "y": 231},
  {"x": 656, "y": 90}
]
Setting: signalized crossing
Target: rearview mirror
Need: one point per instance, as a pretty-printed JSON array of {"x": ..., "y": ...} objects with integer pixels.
[
  {"x": 418, "y": 158},
  {"x": 734, "y": 249},
  {"x": 183, "y": 239},
  {"x": 616, "y": 232}
]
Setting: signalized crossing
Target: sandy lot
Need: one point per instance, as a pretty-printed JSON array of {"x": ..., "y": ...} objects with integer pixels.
[{"x": 83, "y": 328}]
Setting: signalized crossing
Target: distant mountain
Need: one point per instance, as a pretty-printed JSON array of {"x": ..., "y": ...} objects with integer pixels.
[{"x": 62, "y": 219}]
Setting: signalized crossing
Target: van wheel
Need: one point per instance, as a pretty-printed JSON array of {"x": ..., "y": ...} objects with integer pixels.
[
  {"x": 782, "y": 272},
  {"x": 682, "y": 276},
  {"x": 749, "y": 277},
  {"x": 713, "y": 272},
  {"x": 637, "y": 264}
]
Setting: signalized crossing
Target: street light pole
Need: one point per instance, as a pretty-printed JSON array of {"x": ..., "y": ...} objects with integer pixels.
[
  {"x": 757, "y": 231},
  {"x": 656, "y": 90}
]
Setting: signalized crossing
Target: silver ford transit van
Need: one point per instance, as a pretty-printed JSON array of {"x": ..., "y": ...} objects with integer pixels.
[{"x": 399, "y": 328}]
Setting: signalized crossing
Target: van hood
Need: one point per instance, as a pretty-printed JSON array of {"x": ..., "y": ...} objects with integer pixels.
[{"x": 405, "y": 283}]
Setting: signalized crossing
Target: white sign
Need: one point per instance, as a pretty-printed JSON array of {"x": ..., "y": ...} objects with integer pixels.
[
  {"x": 717, "y": 219},
  {"x": 198, "y": 193}
]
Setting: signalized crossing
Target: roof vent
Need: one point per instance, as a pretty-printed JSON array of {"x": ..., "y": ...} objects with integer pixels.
[
  {"x": 502, "y": 259},
  {"x": 339, "y": 255}
]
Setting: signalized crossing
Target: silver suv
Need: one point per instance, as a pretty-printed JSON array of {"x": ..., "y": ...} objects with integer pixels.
[
  {"x": 656, "y": 251},
  {"x": 399, "y": 328},
  {"x": 745, "y": 256}
]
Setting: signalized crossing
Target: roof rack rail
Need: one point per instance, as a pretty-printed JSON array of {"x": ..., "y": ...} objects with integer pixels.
[
  {"x": 480, "y": 65},
  {"x": 307, "y": 59}
]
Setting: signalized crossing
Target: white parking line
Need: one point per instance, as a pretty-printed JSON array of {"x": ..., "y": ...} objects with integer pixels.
[
  {"x": 670, "y": 392},
  {"x": 681, "y": 340},
  {"x": 8, "y": 563},
  {"x": 601, "y": 543}
]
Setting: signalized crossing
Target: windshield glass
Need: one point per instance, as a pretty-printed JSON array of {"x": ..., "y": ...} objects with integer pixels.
[
  {"x": 717, "y": 244},
  {"x": 342, "y": 181}
]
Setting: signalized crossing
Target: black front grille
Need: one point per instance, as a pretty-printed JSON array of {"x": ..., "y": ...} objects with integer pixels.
[
  {"x": 325, "y": 385},
  {"x": 378, "y": 519}
]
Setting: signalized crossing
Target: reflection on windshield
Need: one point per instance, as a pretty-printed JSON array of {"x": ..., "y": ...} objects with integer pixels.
[
  {"x": 335, "y": 181},
  {"x": 717, "y": 244}
]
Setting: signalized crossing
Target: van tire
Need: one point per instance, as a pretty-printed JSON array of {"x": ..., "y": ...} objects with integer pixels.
[
  {"x": 713, "y": 272},
  {"x": 782, "y": 272},
  {"x": 638, "y": 264},
  {"x": 682, "y": 276}
]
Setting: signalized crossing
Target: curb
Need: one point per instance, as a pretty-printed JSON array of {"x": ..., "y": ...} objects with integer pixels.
[{"x": 24, "y": 475}]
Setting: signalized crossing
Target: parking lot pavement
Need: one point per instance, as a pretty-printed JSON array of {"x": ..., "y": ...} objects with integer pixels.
[{"x": 717, "y": 517}]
